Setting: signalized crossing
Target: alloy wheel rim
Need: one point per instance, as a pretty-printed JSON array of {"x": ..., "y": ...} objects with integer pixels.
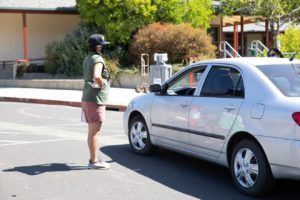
[
  {"x": 246, "y": 168},
  {"x": 138, "y": 135}
]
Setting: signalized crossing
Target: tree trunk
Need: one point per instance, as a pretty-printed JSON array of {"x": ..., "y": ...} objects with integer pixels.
[
  {"x": 277, "y": 44},
  {"x": 272, "y": 29}
]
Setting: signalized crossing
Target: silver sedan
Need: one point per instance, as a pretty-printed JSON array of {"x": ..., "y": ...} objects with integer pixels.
[{"x": 243, "y": 113}]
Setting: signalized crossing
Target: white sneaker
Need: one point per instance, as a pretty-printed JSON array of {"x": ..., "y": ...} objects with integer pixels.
[{"x": 99, "y": 165}]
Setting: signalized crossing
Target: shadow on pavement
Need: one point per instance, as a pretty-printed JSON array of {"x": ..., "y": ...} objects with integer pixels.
[
  {"x": 45, "y": 168},
  {"x": 191, "y": 176}
]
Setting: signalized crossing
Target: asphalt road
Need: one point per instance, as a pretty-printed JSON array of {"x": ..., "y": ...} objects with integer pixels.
[{"x": 43, "y": 155}]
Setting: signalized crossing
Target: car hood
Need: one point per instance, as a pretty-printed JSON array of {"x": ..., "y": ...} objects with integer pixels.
[{"x": 143, "y": 101}]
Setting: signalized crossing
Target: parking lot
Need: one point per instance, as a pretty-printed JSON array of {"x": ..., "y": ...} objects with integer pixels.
[{"x": 43, "y": 155}]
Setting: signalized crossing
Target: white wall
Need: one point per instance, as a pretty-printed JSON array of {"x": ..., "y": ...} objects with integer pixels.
[
  {"x": 11, "y": 36},
  {"x": 41, "y": 30},
  {"x": 45, "y": 28}
]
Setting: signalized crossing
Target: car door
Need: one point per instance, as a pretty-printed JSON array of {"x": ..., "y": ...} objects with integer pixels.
[
  {"x": 214, "y": 111},
  {"x": 170, "y": 109}
]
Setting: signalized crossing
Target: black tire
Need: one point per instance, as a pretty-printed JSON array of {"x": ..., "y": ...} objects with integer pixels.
[
  {"x": 138, "y": 136},
  {"x": 251, "y": 174}
]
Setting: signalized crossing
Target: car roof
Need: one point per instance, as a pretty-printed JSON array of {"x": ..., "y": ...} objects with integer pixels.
[{"x": 255, "y": 61}]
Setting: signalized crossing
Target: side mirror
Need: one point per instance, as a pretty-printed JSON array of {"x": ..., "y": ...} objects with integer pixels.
[{"x": 155, "y": 88}]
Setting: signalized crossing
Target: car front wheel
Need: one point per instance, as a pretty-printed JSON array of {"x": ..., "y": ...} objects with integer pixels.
[
  {"x": 139, "y": 137},
  {"x": 250, "y": 169}
]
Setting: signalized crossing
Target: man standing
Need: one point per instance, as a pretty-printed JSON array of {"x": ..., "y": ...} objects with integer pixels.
[{"x": 94, "y": 96}]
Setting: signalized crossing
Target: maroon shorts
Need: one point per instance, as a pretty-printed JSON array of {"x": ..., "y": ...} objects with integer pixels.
[{"x": 92, "y": 112}]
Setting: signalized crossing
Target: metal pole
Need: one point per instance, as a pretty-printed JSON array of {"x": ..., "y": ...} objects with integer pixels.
[{"x": 25, "y": 41}]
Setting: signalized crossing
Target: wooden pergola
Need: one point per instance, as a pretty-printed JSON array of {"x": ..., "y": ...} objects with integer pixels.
[{"x": 241, "y": 20}]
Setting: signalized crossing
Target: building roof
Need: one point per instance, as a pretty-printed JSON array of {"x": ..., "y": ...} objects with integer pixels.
[
  {"x": 35, "y": 5},
  {"x": 258, "y": 27}
]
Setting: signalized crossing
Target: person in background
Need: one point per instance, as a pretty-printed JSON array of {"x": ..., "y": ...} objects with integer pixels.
[
  {"x": 274, "y": 52},
  {"x": 94, "y": 96}
]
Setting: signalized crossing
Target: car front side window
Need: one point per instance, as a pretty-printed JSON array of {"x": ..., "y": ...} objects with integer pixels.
[{"x": 186, "y": 83}]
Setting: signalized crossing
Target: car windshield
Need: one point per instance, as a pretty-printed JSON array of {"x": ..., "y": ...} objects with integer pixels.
[{"x": 285, "y": 77}]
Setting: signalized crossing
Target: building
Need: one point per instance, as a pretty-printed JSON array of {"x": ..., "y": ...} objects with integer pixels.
[
  {"x": 27, "y": 26},
  {"x": 242, "y": 32}
]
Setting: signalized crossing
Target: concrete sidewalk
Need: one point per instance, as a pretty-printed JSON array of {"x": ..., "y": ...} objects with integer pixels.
[{"x": 118, "y": 98}]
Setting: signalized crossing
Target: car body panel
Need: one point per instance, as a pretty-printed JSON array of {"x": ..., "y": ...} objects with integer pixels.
[
  {"x": 283, "y": 156},
  {"x": 210, "y": 122},
  {"x": 171, "y": 126},
  {"x": 140, "y": 105}
]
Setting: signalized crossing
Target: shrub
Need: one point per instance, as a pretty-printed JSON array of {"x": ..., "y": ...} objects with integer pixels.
[
  {"x": 66, "y": 56},
  {"x": 181, "y": 42},
  {"x": 113, "y": 67},
  {"x": 27, "y": 67},
  {"x": 177, "y": 67},
  {"x": 51, "y": 63},
  {"x": 116, "y": 54},
  {"x": 21, "y": 68}
]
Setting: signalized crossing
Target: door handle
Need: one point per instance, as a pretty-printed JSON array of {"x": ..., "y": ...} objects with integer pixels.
[
  {"x": 229, "y": 108},
  {"x": 184, "y": 105}
]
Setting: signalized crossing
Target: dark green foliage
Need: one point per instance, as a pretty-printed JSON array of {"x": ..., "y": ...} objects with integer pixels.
[
  {"x": 51, "y": 63},
  {"x": 21, "y": 68},
  {"x": 116, "y": 54},
  {"x": 66, "y": 56}
]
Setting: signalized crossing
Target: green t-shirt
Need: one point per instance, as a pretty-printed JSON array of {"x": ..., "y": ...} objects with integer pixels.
[{"x": 90, "y": 94}]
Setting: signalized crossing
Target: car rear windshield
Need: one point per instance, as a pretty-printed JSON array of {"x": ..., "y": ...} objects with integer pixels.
[{"x": 285, "y": 77}]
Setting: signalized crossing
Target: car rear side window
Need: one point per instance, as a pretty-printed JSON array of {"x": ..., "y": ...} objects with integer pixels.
[
  {"x": 223, "y": 82},
  {"x": 284, "y": 77}
]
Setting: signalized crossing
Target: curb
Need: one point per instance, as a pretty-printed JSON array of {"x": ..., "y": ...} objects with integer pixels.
[{"x": 120, "y": 108}]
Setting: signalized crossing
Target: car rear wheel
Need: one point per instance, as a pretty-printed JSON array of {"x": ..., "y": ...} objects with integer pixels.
[
  {"x": 250, "y": 169},
  {"x": 139, "y": 137}
]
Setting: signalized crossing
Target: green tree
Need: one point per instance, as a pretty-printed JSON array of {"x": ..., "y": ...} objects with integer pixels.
[
  {"x": 276, "y": 11},
  {"x": 119, "y": 18},
  {"x": 290, "y": 40},
  {"x": 198, "y": 13},
  {"x": 122, "y": 18}
]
